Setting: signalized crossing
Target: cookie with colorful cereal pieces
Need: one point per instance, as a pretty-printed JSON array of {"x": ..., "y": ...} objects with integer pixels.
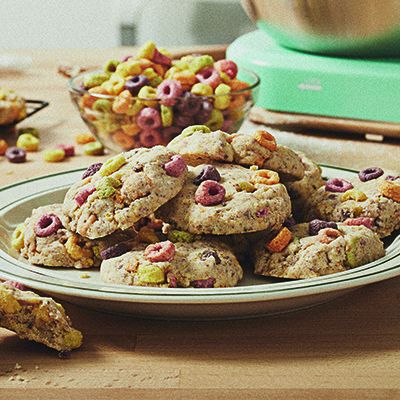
[
  {"x": 323, "y": 252},
  {"x": 127, "y": 187},
  {"x": 239, "y": 200},
  {"x": 199, "y": 264}
]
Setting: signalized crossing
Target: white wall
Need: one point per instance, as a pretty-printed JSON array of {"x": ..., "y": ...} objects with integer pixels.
[{"x": 97, "y": 23}]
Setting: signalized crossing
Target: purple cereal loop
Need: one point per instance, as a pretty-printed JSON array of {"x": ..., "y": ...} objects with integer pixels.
[
  {"x": 83, "y": 194},
  {"x": 135, "y": 83},
  {"x": 207, "y": 173},
  {"x": 210, "y": 253},
  {"x": 168, "y": 90},
  {"x": 203, "y": 283},
  {"x": 176, "y": 166},
  {"x": 316, "y": 225},
  {"x": 210, "y": 193},
  {"x": 47, "y": 224},
  {"x": 16, "y": 154},
  {"x": 370, "y": 173},
  {"x": 337, "y": 185},
  {"x": 189, "y": 104},
  {"x": 92, "y": 170},
  {"x": 114, "y": 251}
]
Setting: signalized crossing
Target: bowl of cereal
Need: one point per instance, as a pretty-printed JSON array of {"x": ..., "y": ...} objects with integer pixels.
[{"x": 148, "y": 99}]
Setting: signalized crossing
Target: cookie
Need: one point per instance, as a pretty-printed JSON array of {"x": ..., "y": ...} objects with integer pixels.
[
  {"x": 300, "y": 191},
  {"x": 198, "y": 145},
  {"x": 128, "y": 187},
  {"x": 328, "y": 251},
  {"x": 200, "y": 264},
  {"x": 37, "y": 318},
  {"x": 341, "y": 199},
  {"x": 233, "y": 203},
  {"x": 60, "y": 247}
]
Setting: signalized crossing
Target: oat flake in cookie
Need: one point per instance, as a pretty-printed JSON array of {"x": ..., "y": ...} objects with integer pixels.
[
  {"x": 128, "y": 187},
  {"x": 246, "y": 206},
  {"x": 200, "y": 264}
]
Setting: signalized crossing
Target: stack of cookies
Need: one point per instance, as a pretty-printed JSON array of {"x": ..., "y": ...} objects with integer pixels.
[{"x": 194, "y": 213}]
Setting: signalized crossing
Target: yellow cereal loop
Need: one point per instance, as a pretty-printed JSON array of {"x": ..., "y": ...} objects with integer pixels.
[
  {"x": 155, "y": 81},
  {"x": 122, "y": 102},
  {"x": 146, "y": 93},
  {"x": 222, "y": 102},
  {"x": 265, "y": 177},
  {"x": 84, "y": 137},
  {"x": 17, "y": 239},
  {"x": 110, "y": 66},
  {"x": 201, "y": 62},
  {"x": 53, "y": 155},
  {"x": 195, "y": 128},
  {"x": 246, "y": 187},
  {"x": 28, "y": 142},
  {"x": 216, "y": 120},
  {"x": 112, "y": 165},
  {"x": 167, "y": 115},
  {"x": 150, "y": 274},
  {"x": 354, "y": 194},
  {"x": 202, "y": 89},
  {"x": 265, "y": 139},
  {"x": 150, "y": 73},
  {"x": 146, "y": 50},
  {"x": 76, "y": 251},
  {"x": 128, "y": 68},
  {"x": 92, "y": 80},
  {"x": 390, "y": 190},
  {"x": 115, "y": 85}
]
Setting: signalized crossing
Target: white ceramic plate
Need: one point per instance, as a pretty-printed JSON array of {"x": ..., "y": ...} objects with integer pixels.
[{"x": 254, "y": 296}]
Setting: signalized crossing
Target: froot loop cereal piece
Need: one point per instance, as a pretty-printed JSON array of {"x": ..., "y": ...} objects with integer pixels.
[
  {"x": 280, "y": 241},
  {"x": 316, "y": 225},
  {"x": 122, "y": 102},
  {"x": 337, "y": 185},
  {"x": 161, "y": 57},
  {"x": 207, "y": 173},
  {"x": 210, "y": 193},
  {"x": 93, "y": 80},
  {"x": 94, "y": 148},
  {"x": 222, "y": 102},
  {"x": 246, "y": 186},
  {"x": 176, "y": 236},
  {"x": 83, "y": 194},
  {"x": 370, "y": 173},
  {"x": 168, "y": 90},
  {"x": 68, "y": 148},
  {"x": 114, "y": 251},
  {"x": 84, "y": 137},
  {"x": 390, "y": 190},
  {"x": 176, "y": 166},
  {"x": 216, "y": 120},
  {"x": 76, "y": 251},
  {"x": 53, "y": 155},
  {"x": 106, "y": 187},
  {"x": 92, "y": 169},
  {"x": 125, "y": 141},
  {"x": 200, "y": 62},
  {"x": 28, "y": 142},
  {"x": 17, "y": 238},
  {"x": 47, "y": 224},
  {"x": 209, "y": 76},
  {"x": 201, "y": 89},
  {"x": 188, "y": 104},
  {"x": 135, "y": 83},
  {"x": 112, "y": 165},
  {"x": 328, "y": 235},
  {"x": 149, "y": 118},
  {"x": 111, "y": 66},
  {"x": 150, "y": 137},
  {"x": 358, "y": 221},
  {"x": 354, "y": 194},
  {"x": 228, "y": 67},
  {"x": 3, "y": 147},
  {"x": 161, "y": 251},
  {"x": 146, "y": 50},
  {"x": 146, "y": 235},
  {"x": 195, "y": 128},
  {"x": 15, "y": 154},
  {"x": 265, "y": 177},
  {"x": 167, "y": 115},
  {"x": 265, "y": 139}
]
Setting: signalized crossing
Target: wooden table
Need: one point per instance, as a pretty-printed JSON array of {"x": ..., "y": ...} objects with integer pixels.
[{"x": 348, "y": 348}]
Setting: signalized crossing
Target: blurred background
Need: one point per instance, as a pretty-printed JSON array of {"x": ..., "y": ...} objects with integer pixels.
[{"x": 41, "y": 24}]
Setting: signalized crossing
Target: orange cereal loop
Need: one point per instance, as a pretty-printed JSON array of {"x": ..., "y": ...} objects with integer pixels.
[
  {"x": 237, "y": 84},
  {"x": 280, "y": 241},
  {"x": 84, "y": 137},
  {"x": 236, "y": 101},
  {"x": 390, "y": 190},
  {"x": 265, "y": 177},
  {"x": 97, "y": 90},
  {"x": 160, "y": 69},
  {"x": 122, "y": 139},
  {"x": 122, "y": 102},
  {"x": 145, "y": 63},
  {"x": 328, "y": 235},
  {"x": 265, "y": 139},
  {"x": 3, "y": 147}
]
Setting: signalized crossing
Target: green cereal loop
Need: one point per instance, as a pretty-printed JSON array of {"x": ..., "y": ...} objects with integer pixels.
[
  {"x": 147, "y": 92},
  {"x": 102, "y": 105},
  {"x": 201, "y": 62},
  {"x": 28, "y": 142},
  {"x": 216, "y": 120},
  {"x": 106, "y": 187},
  {"x": 96, "y": 252},
  {"x": 184, "y": 62},
  {"x": 17, "y": 239},
  {"x": 146, "y": 50},
  {"x": 110, "y": 66},
  {"x": 246, "y": 186},
  {"x": 53, "y": 155},
  {"x": 167, "y": 115},
  {"x": 195, "y": 128},
  {"x": 149, "y": 73},
  {"x": 150, "y": 274},
  {"x": 181, "y": 236},
  {"x": 135, "y": 108},
  {"x": 114, "y": 85},
  {"x": 155, "y": 81},
  {"x": 112, "y": 165},
  {"x": 33, "y": 131},
  {"x": 92, "y": 80},
  {"x": 128, "y": 68},
  {"x": 93, "y": 148}
]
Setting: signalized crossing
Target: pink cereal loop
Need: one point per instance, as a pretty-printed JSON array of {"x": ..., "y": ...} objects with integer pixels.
[
  {"x": 328, "y": 235},
  {"x": 47, "y": 224},
  {"x": 176, "y": 166},
  {"x": 358, "y": 221},
  {"x": 83, "y": 194},
  {"x": 210, "y": 193},
  {"x": 161, "y": 251}
]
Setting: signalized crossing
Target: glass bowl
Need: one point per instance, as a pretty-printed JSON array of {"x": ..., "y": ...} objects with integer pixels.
[{"x": 150, "y": 121}]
